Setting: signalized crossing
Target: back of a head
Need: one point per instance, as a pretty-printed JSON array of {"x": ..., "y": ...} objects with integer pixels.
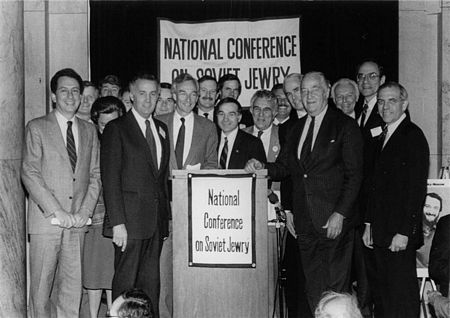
[
  {"x": 337, "y": 305},
  {"x": 136, "y": 304}
]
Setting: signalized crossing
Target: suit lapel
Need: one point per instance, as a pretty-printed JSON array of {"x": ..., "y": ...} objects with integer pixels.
[
  {"x": 324, "y": 136},
  {"x": 173, "y": 160},
  {"x": 82, "y": 140},
  {"x": 274, "y": 145},
  {"x": 298, "y": 136},
  {"x": 137, "y": 132},
  {"x": 196, "y": 136},
  {"x": 235, "y": 152}
]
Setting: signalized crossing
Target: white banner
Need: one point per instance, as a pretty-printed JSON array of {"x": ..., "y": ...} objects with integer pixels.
[
  {"x": 221, "y": 220},
  {"x": 261, "y": 53}
]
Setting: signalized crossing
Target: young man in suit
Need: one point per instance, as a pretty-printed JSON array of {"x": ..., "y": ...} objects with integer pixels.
[
  {"x": 135, "y": 168},
  {"x": 193, "y": 145},
  {"x": 61, "y": 173},
  {"x": 236, "y": 147},
  {"x": 323, "y": 155},
  {"x": 398, "y": 185}
]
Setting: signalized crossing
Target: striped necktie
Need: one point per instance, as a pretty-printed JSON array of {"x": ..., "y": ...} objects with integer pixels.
[
  {"x": 70, "y": 144},
  {"x": 224, "y": 155}
]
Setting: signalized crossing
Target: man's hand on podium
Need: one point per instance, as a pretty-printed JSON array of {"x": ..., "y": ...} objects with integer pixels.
[{"x": 253, "y": 165}]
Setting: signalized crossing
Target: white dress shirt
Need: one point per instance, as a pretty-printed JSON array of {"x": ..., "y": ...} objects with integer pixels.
[
  {"x": 392, "y": 127},
  {"x": 265, "y": 137}
]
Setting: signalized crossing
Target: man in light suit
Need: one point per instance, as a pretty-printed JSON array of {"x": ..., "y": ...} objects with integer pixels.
[
  {"x": 193, "y": 145},
  {"x": 135, "y": 167},
  {"x": 236, "y": 147},
  {"x": 393, "y": 220},
  {"x": 323, "y": 155},
  {"x": 61, "y": 173}
]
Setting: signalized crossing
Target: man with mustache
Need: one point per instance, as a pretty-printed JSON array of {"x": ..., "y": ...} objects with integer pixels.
[{"x": 207, "y": 97}]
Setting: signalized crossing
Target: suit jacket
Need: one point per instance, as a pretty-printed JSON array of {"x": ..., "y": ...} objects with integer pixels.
[
  {"x": 203, "y": 149},
  {"x": 48, "y": 176},
  {"x": 440, "y": 255},
  {"x": 398, "y": 185},
  {"x": 330, "y": 181},
  {"x": 245, "y": 147},
  {"x": 274, "y": 148},
  {"x": 373, "y": 121},
  {"x": 135, "y": 190},
  {"x": 195, "y": 110}
]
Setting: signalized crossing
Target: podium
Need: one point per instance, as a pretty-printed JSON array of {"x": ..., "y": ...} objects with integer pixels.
[{"x": 220, "y": 244}]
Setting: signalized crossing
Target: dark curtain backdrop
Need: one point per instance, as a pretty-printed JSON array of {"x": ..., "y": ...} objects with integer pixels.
[{"x": 334, "y": 35}]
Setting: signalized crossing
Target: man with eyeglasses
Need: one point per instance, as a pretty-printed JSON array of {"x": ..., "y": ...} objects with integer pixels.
[
  {"x": 393, "y": 220},
  {"x": 193, "y": 145},
  {"x": 207, "y": 97},
  {"x": 369, "y": 78}
]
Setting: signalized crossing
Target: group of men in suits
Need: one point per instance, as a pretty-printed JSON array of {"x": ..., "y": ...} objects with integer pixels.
[{"x": 344, "y": 182}]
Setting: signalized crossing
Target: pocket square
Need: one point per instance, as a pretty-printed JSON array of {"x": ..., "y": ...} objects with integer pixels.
[
  {"x": 162, "y": 132},
  {"x": 332, "y": 140}
]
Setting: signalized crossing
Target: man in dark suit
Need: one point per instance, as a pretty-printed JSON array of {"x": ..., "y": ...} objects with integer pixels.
[
  {"x": 135, "y": 168},
  {"x": 323, "y": 155},
  {"x": 61, "y": 173},
  {"x": 393, "y": 218},
  {"x": 236, "y": 147}
]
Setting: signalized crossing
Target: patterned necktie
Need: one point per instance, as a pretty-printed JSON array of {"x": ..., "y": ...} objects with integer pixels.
[
  {"x": 260, "y": 132},
  {"x": 307, "y": 144},
  {"x": 224, "y": 155},
  {"x": 70, "y": 144},
  {"x": 363, "y": 115},
  {"x": 179, "y": 147},
  {"x": 151, "y": 142}
]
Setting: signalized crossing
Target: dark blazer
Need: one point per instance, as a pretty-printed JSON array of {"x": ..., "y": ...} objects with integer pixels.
[
  {"x": 373, "y": 121},
  {"x": 135, "y": 190},
  {"x": 245, "y": 147},
  {"x": 330, "y": 181},
  {"x": 398, "y": 185},
  {"x": 440, "y": 255}
]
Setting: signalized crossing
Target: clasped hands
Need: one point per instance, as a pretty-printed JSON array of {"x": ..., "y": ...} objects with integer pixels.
[{"x": 68, "y": 220}]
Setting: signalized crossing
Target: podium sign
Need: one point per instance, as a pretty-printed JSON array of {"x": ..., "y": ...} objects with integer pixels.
[
  {"x": 221, "y": 220},
  {"x": 211, "y": 278}
]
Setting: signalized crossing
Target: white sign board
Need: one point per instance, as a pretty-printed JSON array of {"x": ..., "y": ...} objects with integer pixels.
[
  {"x": 221, "y": 220},
  {"x": 261, "y": 53}
]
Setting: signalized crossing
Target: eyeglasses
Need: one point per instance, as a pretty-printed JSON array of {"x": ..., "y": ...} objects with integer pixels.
[{"x": 369, "y": 76}]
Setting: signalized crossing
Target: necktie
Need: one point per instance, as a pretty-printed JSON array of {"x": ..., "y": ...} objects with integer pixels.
[
  {"x": 206, "y": 115},
  {"x": 307, "y": 144},
  {"x": 151, "y": 142},
  {"x": 363, "y": 115},
  {"x": 383, "y": 136},
  {"x": 260, "y": 132},
  {"x": 70, "y": 144},
  {"x": 179, "y": 147},
  {"x": 224, "y": 155}
]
